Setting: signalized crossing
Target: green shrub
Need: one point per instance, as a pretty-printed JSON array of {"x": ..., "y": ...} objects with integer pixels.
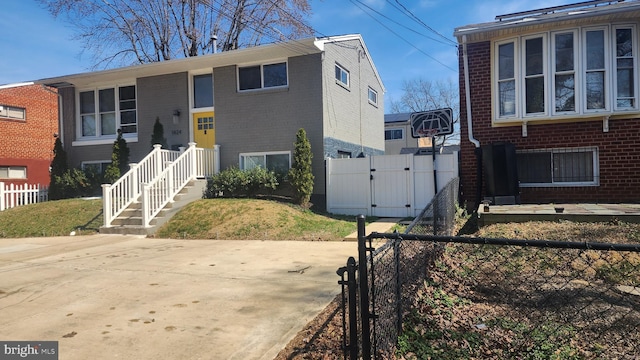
[
  {"x": 233, "y": 183},
  {"x": 300, "y": 175},
  {"x": 75, "y": 183}
]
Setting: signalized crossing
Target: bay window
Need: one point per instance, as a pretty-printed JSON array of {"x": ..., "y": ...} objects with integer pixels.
[{"x": 591, "y": 70}]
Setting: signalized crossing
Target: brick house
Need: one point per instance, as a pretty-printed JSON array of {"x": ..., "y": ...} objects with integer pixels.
[
  {"x": 550, "y": 105},
  {"x": 28, "y": 125}
]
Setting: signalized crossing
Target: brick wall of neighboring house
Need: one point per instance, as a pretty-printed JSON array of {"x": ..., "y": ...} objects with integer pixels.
[
  {"x": 29, "y": 142},
  {"x": 619, "y": 148}
]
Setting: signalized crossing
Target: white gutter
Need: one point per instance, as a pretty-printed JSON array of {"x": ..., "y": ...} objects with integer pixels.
[
  {"x": 468, "y": 92},
  {"x": 60, "y": 114}
]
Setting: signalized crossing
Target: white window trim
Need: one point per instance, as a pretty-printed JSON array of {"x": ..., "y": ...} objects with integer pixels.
[
  {"x": 370, "y": 90},
  {"x": 192, "y": 95},
  {"x": 5, "y": 110},
  {"x": 92, "y": 162},
  {"x": 634, "y": 32},
  {"x": 577, "y": 78},
  {"x": 550, "y": 114},
  {"x": 104, "y": 139},
  {"x": 23, "y": 169},
  {"x": 394, "y": 129},
  {"x": 262, "y": 65},
  {"x": 495, "y": 80},
  {"x": 596, "y": 167},
  {"x": 339, "y": 81},
  {"x": 607, "y": 71},
  {"x": 265, "y": 153},
  {"x": 545, "y": 76}
]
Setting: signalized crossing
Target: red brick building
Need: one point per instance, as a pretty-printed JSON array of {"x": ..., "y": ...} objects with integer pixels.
[
  {"x": 552, "y": 109},
  {"x": 28, "y": 123}
]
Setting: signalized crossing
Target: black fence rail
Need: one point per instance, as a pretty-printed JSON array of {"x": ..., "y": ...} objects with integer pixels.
[{"x": 441, "y": 296}]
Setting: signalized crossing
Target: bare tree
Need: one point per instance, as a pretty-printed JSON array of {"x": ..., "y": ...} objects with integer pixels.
[
  {"x": 125, "y": 32},
  {"x": 422, "y": 95}
]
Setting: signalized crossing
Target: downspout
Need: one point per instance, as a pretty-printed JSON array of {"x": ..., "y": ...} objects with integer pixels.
[
  {"x": 478, "y": 149},
  {"x": 60, "y": 125}
]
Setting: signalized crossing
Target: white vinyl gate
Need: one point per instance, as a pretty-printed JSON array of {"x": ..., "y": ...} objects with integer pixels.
[{"x": 386, "y": 185}]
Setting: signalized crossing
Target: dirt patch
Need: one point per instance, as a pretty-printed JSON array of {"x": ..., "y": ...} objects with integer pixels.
[{"x": 459, "y": 311}]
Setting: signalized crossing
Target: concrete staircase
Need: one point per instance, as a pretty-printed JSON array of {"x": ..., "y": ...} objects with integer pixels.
[{"x": 130, "y": 220}]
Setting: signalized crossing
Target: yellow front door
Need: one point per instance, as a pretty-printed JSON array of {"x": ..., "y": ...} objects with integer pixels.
[{"x": 204, "y": 129}]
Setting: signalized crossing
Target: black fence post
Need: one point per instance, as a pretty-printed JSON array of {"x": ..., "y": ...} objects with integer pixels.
[
  {"x": 349, "y": 348},
  {"x": 364, "y": 289}
]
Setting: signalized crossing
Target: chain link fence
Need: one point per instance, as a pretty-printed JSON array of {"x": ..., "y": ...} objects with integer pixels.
[{"x": 428, "y": 294}]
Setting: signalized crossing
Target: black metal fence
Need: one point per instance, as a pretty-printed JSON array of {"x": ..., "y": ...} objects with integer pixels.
[{"x": 440, "y": 296}]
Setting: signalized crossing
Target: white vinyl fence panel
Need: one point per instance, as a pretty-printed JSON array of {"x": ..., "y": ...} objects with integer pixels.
[
  {"x": 16, "y": 195},
  {"x": 386, "y": 185}
]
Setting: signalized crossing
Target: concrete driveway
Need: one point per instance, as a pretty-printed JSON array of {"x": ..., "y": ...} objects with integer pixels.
[{"x": 129, "y": 297}]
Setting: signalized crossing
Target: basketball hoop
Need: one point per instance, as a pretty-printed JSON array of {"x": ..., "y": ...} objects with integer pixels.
[{"x": 432, "y": 123}]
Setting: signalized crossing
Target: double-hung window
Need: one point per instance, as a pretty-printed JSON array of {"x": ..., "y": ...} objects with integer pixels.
[
  {"x": 580, "y": 71},
  {"x": 342, "y": 76},
  {"x": 262, "y": 76},
  {"x": 558, "y": 167},
  {"x": 104, "y": 111}
]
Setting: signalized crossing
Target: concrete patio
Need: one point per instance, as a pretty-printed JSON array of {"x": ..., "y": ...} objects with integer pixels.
[{"x": 547, "y": 212}]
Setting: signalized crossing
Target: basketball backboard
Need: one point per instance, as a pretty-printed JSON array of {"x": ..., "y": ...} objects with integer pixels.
[{"x": 432, "y": 123}]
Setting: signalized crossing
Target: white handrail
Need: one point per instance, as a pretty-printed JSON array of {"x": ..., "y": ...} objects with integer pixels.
[
  {"x": 126, "y": 190},
  {"x": 161, "y": 191}
]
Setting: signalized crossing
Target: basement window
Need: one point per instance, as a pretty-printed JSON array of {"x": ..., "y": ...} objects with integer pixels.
[{"x": 558, "y": 167}]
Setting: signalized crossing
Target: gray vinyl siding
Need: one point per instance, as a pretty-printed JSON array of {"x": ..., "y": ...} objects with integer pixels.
[
  {"x": 349, "y": 117},
  {"x": 267, "y": 120}
]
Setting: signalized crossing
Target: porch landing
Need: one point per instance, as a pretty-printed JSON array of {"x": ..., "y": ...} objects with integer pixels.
[{"x": 547, "y": 212}]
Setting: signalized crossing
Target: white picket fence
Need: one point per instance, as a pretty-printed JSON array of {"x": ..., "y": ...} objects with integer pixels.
[{"x": 12, "y": 195}]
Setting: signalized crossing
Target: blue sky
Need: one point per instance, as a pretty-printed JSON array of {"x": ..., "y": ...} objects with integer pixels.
[{"x": 35, "y": 45}]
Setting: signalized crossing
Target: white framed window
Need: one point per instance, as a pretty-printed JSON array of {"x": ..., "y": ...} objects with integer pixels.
[
  {"x": 558, "y": 167},
  {"x": 372, "y": 95},
  {"x": 566, "y": 73},
  {"x": 97, "y": 167},
  {"x": 506, "y": 78},
  {"x": 394, "y": 134},
  {"x": 342, "y": 76},
  {"x": 202, "y": 89},
  {"x": 13, "y": 172},
  {"x": 13, "y": 112},
  {"x": 262, "y": 76},
  {"x": 105, "y": 110},
  {"x": 534, "y": 64},
  {"x": 626, "y": 79},
  {"x": 276, "y": 161},
  {"x": 563, "y": 64}
]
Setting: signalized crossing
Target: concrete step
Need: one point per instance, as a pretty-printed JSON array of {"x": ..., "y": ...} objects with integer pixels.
[{"x": 130, "y": 220}]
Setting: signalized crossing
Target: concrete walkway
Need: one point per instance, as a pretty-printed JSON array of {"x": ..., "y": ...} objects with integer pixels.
[
  {"x": 129, "y": 297},
  {"x": 382, "y": 225}
]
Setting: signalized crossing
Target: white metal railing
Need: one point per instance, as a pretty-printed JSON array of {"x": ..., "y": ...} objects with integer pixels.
[
  {"x": 126, "y": 190},
  {"x": 192, "y": 163},
  {"x": 12, "y": 195}
]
